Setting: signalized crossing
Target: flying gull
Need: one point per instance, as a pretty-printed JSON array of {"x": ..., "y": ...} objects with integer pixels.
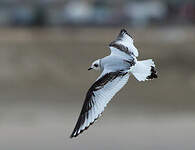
[{"x": 115, "y": 71}]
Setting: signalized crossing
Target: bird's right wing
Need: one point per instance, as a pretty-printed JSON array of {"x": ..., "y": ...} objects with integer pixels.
[
  {"x": 100, "y": 93},
  {"x": 123, "y": 45}
]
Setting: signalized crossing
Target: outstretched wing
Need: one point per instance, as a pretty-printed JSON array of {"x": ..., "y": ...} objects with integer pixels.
[
  {"x": 123, "y": 45},
  {"x": 100, "y": 93}
]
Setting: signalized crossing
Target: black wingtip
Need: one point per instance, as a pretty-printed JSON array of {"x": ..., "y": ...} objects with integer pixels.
[
  {"x": 153, "y": 74},
  {"x": 71, "y": 136},
  {"x": 74, "y": 133},
  {"x": 123, "y": 31}
]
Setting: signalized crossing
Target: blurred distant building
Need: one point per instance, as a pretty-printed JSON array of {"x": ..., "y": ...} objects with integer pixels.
[
  {"x": 95, "y": 12},
  {"x": 77, "y": 12},
  {"x": 23, "y": 15},
  {"x": 5, "y": 16},
  {"x": 187, "y": 11},
  {"x": 142, "y": 13}
]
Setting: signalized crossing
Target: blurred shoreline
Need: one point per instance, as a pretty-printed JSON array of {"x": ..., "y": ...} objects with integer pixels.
[{"x": 30, "y": 54}]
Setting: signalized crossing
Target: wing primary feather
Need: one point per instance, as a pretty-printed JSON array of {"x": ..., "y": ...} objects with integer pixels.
[
  {"x": 123, "y": 45},
  {"x": 97, "y": 98}
]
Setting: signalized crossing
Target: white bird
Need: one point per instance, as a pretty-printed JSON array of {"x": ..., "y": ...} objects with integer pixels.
[{"x": 116, "y": 69}]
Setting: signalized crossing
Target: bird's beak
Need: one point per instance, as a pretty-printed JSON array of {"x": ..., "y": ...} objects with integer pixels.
[{"x": 90, "y": 68}]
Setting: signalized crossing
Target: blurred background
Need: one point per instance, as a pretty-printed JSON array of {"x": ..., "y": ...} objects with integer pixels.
[{"x": 46, "y": 47}]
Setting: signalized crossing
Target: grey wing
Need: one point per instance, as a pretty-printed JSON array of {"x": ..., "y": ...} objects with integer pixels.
[
  {"x": 100, "y": 93},
  {"x": 123, "y": 45}
]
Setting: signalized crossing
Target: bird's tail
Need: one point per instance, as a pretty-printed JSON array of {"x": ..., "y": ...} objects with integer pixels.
[{"x": 144, "y": 70}]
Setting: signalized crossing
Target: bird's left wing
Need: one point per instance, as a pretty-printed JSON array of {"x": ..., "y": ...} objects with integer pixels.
[
  {"x": 97, "y": 97},
  {"x": 123, "y": 45}
]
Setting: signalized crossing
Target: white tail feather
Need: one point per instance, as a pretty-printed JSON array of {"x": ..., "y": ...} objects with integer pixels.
[{"x": 142, "y": 69}]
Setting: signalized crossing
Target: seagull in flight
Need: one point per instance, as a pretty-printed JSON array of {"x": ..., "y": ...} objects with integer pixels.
[{"x": 115, "y": 71}]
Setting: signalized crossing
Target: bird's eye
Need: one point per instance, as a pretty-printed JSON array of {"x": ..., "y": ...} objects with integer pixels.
[{"x": 95, "y": 65}]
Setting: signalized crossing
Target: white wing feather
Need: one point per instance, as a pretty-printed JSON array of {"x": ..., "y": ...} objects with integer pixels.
[
  {"x": 127, "y": 41},
  {"x": 100, "y": 99}
]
